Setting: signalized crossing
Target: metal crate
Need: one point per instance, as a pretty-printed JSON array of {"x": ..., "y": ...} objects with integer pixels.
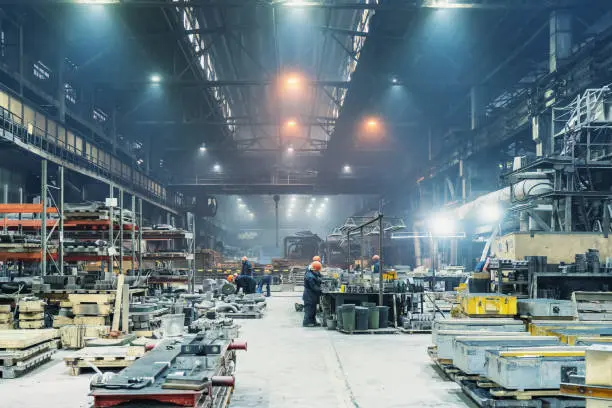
[
  {"x": 477, "y": 324},
  {"x": 469, "y": 351},
  {"x": 536, "y": 368},
  {"x": 446, "y": 338},
  {"x": 546, "y": 308}
]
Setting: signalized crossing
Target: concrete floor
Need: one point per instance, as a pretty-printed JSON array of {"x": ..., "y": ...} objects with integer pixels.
[
  {"x": 291, "y": 366},
  {"x": 286, "y": 366}
]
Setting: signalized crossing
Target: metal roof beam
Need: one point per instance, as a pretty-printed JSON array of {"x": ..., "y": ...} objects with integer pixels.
[{"x": 346, "y": 5}]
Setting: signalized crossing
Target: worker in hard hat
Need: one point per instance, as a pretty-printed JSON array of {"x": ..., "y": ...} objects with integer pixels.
[
  {"x": 316, "y": 258},
  {"x": 312, "y": 293},
  {"x": 266, "y": 279},
  {"x": 247, "y": 267},
  {"x": 375, "y": 265},
  {"x": 230, "y": 278}
]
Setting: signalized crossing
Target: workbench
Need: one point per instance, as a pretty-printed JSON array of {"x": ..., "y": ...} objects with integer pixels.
[{"x": 331, "y": 300}]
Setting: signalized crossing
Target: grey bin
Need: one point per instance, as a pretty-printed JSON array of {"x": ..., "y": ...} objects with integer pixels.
[
  {"x": 348, "y": 317},
  {"x": 383, "y": 316},
  {"x": 361, "y": 318},
  {"x": 531, "y": 373},
  {"x": 446, "y": 338},
  {"x": 339, "y": 317},
  {"x": 469, "y": 351},
  {"x": 374, "y": 317}
]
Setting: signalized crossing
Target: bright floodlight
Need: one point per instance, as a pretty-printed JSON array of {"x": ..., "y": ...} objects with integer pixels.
[
  {"x": 441, "y": 224},
  {"x": 293, "y": 198},
  {"x": 491, "y": 212},
  {"x": 326, "y": 199},
  {"x": 217, "y": 168},
  {"x": 346, "y": 169},
  {"x": 251, "y": 215},
  {"x": 156, "y": 79},
  {"x": 239, "y": 199},
  {"x": 290, "y": 150},
  {"x": 372, "y": 123},
  {"x": 291, "y": 123},
  {"x": 202, "y": 149}
]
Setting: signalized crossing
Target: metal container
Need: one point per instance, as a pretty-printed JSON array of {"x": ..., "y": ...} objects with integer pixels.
[
  {"x": 534, "y": 368},
  {"x": 469, "y": 351},
  {"x": 502, "y": 325},
  {"x": 546, "y": 308},
  {"x": 172, "y": 325},
  {"x": 545, "y": 327},
  {"x": 488, "y": 304},
  {"x": 570, "y": 336},
  {"x": 446, "y": 338}
]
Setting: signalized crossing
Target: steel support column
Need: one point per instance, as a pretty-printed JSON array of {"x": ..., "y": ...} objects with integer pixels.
[
  {"x": 133, "y": 235},
  {"x": 61, "y": 220},
  {"x": 111, "y": 234},
  {"x": 120, "y": 231},
  {"x": 140, "y": 248},
  {"x": 43, "y": 217},
  {"x": 561, "y": 40}
]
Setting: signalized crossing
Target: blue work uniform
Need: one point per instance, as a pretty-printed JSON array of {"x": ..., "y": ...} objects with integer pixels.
[
  {"x": 266, "y": 279},
  {"x": 312, "y": 292},
  {"x": 376, "y": 268}
]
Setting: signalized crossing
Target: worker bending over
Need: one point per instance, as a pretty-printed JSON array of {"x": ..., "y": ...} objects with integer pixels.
[
  {"x": 266, "y": 279},
  {"x": 312, "y": 292}
]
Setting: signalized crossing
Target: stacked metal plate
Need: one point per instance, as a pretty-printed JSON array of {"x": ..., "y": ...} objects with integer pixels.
[
  {"x": 546, "y": 308},
  {"x": 469, "y": 351},
  {"x": 477, "y": 324},
  {"x": 535, "y": 368},
  {"x": 446, "y": 338}
]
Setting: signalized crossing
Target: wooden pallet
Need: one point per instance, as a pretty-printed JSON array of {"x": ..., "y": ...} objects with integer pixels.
[
  {"x": 90, "y": 320},
  {"x": 99, "y": 298},
  {"x": 26, "y": 365},
  {"x": 103, "y": 357},
  {"x": 73, "y": 336},
  {"x": 7, "y": 326},
  {"x": 31, "y": 324},
  {"x": 389, "y": 330},
  {"x": 61, "y": 321},
  {"x": 5, "y": 308},
  {"x": 26, "y": 306},
  {"x": 15, "y": 357},
  {"x": 91, "y": 309},
  {"x": 522, "y": 395},
  {"x": 6, "y": 317},
  {"x": 414, "y": 331},
  {"x": 31, "y": 315},
  {"x": 20, "y": 339}
]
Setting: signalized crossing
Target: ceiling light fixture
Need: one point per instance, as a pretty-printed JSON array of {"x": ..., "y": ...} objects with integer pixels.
[{"x": 156, "y": 79}]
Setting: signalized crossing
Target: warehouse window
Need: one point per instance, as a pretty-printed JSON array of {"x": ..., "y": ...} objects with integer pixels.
[
  {"x": 71, "y": 95},
  {"x": 99, "y": 115},
  {"x": 41, "y": 71}
]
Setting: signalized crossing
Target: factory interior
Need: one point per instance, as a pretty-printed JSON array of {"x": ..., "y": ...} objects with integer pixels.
[{"x": 300, "y": 203}]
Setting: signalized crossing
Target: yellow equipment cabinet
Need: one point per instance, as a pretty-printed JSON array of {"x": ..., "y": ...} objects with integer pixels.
[{"x": 488, "y": 304}]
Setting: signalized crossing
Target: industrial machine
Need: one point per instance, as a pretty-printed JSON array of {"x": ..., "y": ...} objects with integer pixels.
[{"x": 195, "y": 371}]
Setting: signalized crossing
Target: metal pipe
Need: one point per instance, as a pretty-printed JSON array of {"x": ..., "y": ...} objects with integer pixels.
[
  {"x": 111, "y": 233},
  {"x": 140, "y": 249},
  {"x": 43, "y": 217},
  {"x": 133, "y": 235},
  {"x": 223, "y": 381},
  {"x": 21, "y": 61},
  {"x": 237, "y": 345},
  {"x": 61, "y": 220},
  {"x": 380, "y": 262},
  {"x": 120, "y": 230}
]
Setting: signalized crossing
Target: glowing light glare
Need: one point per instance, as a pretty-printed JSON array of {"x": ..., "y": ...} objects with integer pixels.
[
  {"x": 293, "y": 198},
  {"x": 491, "y": 212},
  {"x": 217, "y": 168},
  {"x": 346, "y": 169},
  {"x": 293, "y": 81},
  {"x": 251, "y": 215},
  {"x": 156, "y": 79},
  {"x": 290, "y": 150},
  {"x": 326, "y": 199},
  {"x": 313, "y": 199},
  {"x": 441, "y": 224},
  {"x": 202, "y": 149},
  {"x": 239, "y": 199},
  {"x": 372, "y": 123},
  {"x": 291, "y": 123},
  {"x": 242, "y": 205}
]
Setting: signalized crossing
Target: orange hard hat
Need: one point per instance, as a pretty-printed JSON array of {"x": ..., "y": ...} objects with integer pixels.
[
  {"x": 316, "y": 265},
  {"x": 316, "y": 258},
  {"x": 244, "y": 258},
  {"x": 376, "y": 258},
  {"x": 230, "y": 278}
]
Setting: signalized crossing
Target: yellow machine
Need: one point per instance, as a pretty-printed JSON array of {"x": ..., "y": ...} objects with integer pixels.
[
  {"x": 389, "y": 275},
  {"x": 485, "y": 304}
]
